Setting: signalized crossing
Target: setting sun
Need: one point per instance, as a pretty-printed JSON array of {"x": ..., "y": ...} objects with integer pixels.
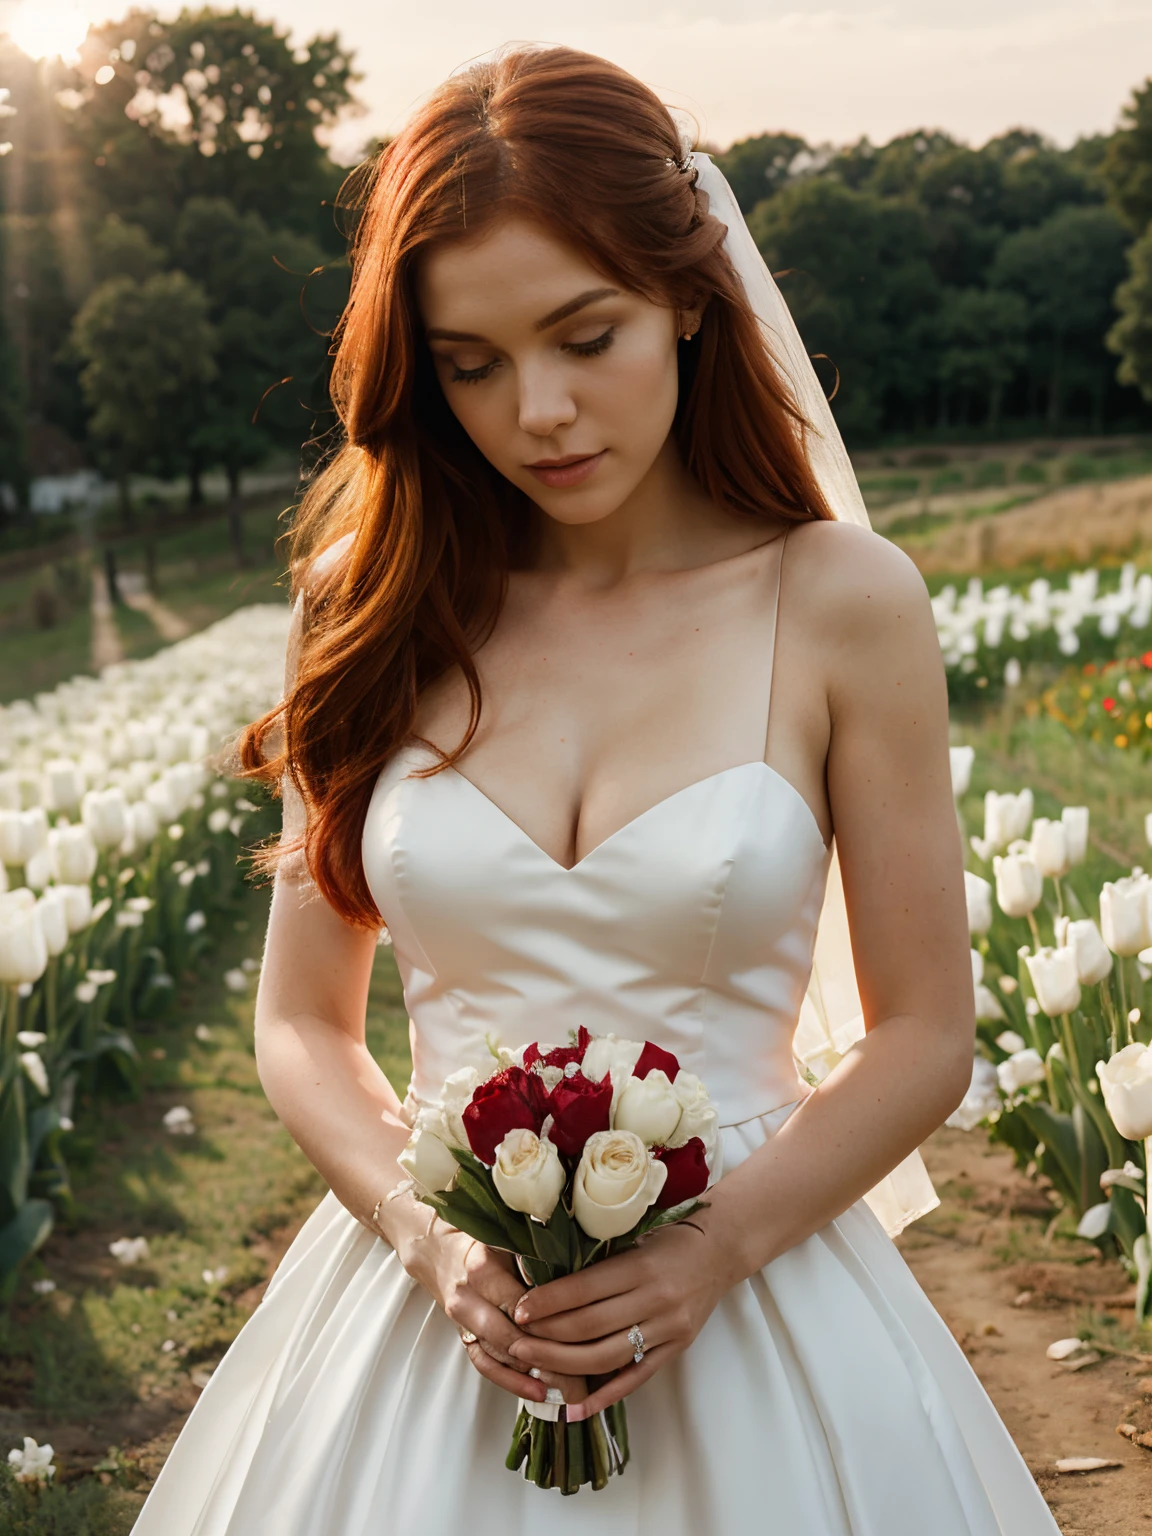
[{"x": 45, "y": 29}]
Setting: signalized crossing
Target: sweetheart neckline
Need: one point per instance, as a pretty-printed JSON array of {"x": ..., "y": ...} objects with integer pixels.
[{"x": 641, "y": 816}]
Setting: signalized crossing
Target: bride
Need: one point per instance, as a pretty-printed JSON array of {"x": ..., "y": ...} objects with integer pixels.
[{"x": 591, "y": 517}]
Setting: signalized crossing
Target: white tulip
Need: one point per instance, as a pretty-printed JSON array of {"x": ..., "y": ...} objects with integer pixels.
[
  {"x": 129, "y": 1250},
  {"x": 1075, "y": 822},
  {"x": 428, "y": 1162},
  {"x": 23, "y": 949},
  {"x": 143, "y": 827},
  {"x": 164, "y": 796},
  {"x": 53, "y": 912},
  {"x": 63, "y": 784},
  {"x": 978, "y": 896},
  {"x": 1124, "y": 916},
  {"x": 22, "y": 835},
  {"x": 1055, "y": 979},
  {"x": 1021, "y": 1070},
  {"x": 1126, "y": 1083},
  {"x": 1049, "y": 845},
  {"x": 32, "y": 1464},
  {"x": 1006, "y": 817},
  {"x": 38, "y": 870},
  {"x": 1019, "y": 884},
  {"x": 218, "y": 820},
  {"x": 179, "y": 1120},
  {"x": 649, "y": 1108},
  {"x": 74, "y": 855},
  {"x": 1148, "y": 827},
  {"x": 616, "y": 1181},
  {"x": 981, "y": 1099},
  {"x": 77, "y": 906},
  {"x": 1093, "y": 957},
  {"x": 105, "y": 814},
  {"x": 528, "y": 1173},
  {"x": 1094, "y": 1222},
  {"x": 960, "y": 761},
  {"x": 1010, "y": 1041},
  {"x": 37, "y": 1073},
  {"x": 977, "y": 960},
  {"x": 988, "y": 1004}
]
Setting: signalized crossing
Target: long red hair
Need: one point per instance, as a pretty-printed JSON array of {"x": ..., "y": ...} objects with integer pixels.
[{"x": 588, "y": 150}]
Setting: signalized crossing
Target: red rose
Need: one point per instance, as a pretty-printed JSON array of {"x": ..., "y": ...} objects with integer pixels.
[
  {"x": 653, "y": 1059},
  {"x": 513, "y": 1098},
  {"x": 687, "y": 1173},
  {"x": 562, "y": 1054},
  {"x": 579, "y": 1107}
]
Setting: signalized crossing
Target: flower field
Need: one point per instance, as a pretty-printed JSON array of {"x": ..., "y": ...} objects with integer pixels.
[{"x": 118, "y": 845}]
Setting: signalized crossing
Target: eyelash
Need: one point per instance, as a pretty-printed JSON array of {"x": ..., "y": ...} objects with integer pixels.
[{"x": 581, "y": 348}]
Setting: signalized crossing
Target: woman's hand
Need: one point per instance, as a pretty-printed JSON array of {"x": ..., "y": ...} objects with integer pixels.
[
  {"x": 478, "y": 1288},
  {"x": 668, "y": 1285}
]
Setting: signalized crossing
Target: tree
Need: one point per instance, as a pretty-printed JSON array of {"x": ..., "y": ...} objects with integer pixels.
[
  {"x": 147, "y": 350},
  {"x": 1131, "y": 336},
  {"x": 1066, "y": 270},
  {"x": 982, "y": 332},
  {"x": 757, "y": 168},
  {"x": 1127, "y": 167},
  {"x": 862, "y": 291}
]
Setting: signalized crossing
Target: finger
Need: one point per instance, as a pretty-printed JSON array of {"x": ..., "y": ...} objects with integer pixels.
[
  {"x": 597, "y": 1321},
  {"x": 516, "y": 1382},
  {"x": 588, "y": 1359},
  {"x": 593, "y": 1284},
  {"x": 620, "y": 1385}
]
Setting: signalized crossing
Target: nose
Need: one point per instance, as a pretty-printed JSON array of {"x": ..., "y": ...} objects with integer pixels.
[{"x": 546, "y": 402}]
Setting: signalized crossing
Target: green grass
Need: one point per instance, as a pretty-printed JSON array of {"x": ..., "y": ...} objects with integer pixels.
[{"x": 84, "y": 1368}]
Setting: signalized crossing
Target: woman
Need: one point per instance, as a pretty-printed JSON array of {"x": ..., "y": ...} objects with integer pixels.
[{"x": 577, "y": 539}]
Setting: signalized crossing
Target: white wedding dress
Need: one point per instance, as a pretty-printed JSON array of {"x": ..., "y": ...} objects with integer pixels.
[{"x": 823, "y": 1397}]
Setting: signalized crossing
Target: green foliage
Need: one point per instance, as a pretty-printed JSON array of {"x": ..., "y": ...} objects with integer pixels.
[
  {"x": 1131, "y": 335},
  {"x": 758, "y": 167},
  {"x": 85, "y": 1508},
  {"x": 1127, "y": 163}
]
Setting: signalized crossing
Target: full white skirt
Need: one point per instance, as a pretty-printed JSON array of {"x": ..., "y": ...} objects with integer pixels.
[{"x": 823, "y": 1397}]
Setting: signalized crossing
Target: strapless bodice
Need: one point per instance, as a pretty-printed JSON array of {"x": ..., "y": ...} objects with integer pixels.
[{"x": 692, "y": 926}]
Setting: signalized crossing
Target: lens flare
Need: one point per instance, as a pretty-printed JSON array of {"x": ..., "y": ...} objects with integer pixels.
[{"x": 45, "y": 29}]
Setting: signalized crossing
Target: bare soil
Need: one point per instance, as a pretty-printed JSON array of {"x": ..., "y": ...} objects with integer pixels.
[{"x": 1007, "y": 1290}]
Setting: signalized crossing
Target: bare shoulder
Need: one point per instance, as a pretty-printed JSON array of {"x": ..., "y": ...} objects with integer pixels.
[{"x": 853, "y": 586}]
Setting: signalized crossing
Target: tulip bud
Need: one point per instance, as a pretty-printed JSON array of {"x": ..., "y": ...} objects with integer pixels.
[
  {"x": 1075, "y": 821},
  {"x": 22, "y": 835},
  {"x": 73, "y": 854},
  {"x": 978, "y": 896},
  {"x": 1049, "y": 845},
  {"x": 23, "y": 949},
  {"x": 54, "y": 920},
  {"x": 105, "y": 814},
  {"x": 1093, "y": 958},
  {"x": 960, "y": 761},
  {"x": 77, "y": 906},
  {"x": 1126, "y": 1083},
  {"x": 1019, "y": 884},
  {"x": 1055, "y": 980},
  {"x": 1124, "y": 916}
]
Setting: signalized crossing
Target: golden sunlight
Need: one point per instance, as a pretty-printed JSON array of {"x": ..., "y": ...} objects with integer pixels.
[{"x": 46, "y": 29}]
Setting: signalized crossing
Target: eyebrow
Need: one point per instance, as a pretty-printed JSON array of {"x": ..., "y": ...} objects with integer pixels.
[{"x": 553, "y": 318}]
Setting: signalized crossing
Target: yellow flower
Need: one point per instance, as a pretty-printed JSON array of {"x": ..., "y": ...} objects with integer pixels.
[{"x": 1121, "y": 740}]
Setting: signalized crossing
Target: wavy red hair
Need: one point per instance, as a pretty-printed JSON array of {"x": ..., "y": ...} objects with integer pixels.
[{"x": 583, "y": 147}]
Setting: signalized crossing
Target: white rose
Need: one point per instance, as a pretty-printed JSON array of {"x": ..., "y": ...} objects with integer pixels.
[
  {"x": 1021, "y": 1070},
  {"x": 649, "y": 1108},
  {"x": 616, "y": 1181},
  {"x": 1126, "y": 1083},
  {"x": 606, "y": 1053},
  {"x": 698, "y": 1118},
  {"x": 1049, "y": 844},
  {"x": 1093, "y": 957},
  {"x": 427, "y": 1160},
  {"x": 1055, "y": 979},
  {"x": 528, "y": 1173},
  {"x": 1019, "y": 884},
  {"x": 1075, "y": 819},
  {"x": 455, "y": 1097},
  {"x": 978, "y": 897},
  {"x": 1124, "y": 914}
]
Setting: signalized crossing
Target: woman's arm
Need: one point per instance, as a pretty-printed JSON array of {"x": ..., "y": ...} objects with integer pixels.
[{"x": 870, "y": 635}]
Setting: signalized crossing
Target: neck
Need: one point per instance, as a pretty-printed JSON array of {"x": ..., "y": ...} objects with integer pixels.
[{"x": 668, "y": 523}]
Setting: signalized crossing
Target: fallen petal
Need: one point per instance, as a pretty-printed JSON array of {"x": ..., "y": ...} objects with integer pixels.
[
  {"x": 1085, "y": 1464},
  {"x": 1062, "y": 1348}
]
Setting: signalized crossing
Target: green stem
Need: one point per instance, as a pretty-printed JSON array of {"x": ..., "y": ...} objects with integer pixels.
[
  {"x": 1070, "y": 1047},
  {"x": 1035, "y": 932},
  {"x": 1109, "y": 1010},
  {"x": 1123, "y": 996},
  {"x": 1059, "y": 896}
]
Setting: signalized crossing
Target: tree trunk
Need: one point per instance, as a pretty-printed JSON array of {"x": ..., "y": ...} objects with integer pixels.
[
  {"x": 995, "y": 401},
  {"x": 1055, "y": 384},
  {"x": 236, "y": 533},
  {"x": 233, "y": 473},
  {"x": 195, "y": 484},
  {"x": 124, "y": 499},
  {"x": 110, "y": 574}
]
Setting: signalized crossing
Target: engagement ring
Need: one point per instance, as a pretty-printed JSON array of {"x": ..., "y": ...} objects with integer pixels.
[{"x": 636, "y": 1339}]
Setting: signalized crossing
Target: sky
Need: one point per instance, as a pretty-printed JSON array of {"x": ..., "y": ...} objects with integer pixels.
[{"x": 745, "y": 66}]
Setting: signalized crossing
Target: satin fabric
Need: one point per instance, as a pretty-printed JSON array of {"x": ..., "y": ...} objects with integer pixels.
[{"x": 823, "y": 1397}]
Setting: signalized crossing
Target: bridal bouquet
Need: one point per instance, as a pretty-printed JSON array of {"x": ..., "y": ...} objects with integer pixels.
[{"x": 563, "y": 1156}]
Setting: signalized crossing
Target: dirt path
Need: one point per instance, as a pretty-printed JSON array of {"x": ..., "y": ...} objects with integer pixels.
[{"x": 1007, "y": 1294}]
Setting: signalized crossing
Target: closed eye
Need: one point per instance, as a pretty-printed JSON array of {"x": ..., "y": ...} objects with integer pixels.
[{"x": 581, "y": 348}]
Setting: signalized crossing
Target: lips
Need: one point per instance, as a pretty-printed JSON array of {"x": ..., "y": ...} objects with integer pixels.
[{"x": 573, "y": 469}]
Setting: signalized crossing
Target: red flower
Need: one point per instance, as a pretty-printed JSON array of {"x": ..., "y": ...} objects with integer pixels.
[
  {"x": 1109, "y": 705},
  {"x": 687, "y": 1173},
  {"x": 562, "y": 1055},
  {"x": 511, "y": 1099},
  {"x": 653, "y": 1059},
  {"x": 579, "y": 1107},
  {"x": 1146, "y": 659}
]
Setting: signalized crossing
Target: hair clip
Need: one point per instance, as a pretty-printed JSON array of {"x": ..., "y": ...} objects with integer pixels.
[{"x": 683, "y": 165}]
